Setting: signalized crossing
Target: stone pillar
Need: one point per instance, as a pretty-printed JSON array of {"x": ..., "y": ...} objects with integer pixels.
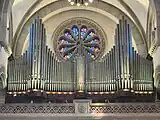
[
  {"x": 3, "y": 72},
  {"x": 155, "y": 48},
  {"x": 5, "y": 12},
  {"x": 157, "y": 4},
  {"x": 156, "y": 61},
  {"x": 2, "y": 79}
]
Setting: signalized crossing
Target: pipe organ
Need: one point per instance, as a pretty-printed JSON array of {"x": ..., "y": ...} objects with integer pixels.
[
  {"x": 38, "y": 69},
  {"x": 121, "y": 69}
]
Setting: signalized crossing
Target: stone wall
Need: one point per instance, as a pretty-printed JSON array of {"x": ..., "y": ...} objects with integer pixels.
[{"x": 5, "y": 7}]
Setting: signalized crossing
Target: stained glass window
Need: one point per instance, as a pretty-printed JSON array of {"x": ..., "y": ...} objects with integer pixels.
[{"x": 79, "y": 38}]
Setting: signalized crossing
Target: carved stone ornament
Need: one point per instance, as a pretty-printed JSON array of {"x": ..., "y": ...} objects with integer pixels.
[{"x": 82, "y": 108}]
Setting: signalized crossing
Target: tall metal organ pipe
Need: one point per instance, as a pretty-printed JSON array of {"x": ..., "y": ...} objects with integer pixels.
[{"x": 121, "y": 69}]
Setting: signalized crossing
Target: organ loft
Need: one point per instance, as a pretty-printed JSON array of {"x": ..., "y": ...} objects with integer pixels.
[{"x": 77, "y": 67}]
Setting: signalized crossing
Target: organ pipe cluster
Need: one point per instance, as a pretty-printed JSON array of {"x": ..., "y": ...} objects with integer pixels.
[
  {"x": 38, "y": 68},
  {"x": 122, "y": 69}
]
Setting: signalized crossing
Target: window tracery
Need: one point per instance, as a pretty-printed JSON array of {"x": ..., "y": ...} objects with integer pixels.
[{"x": 79, "y": 38}]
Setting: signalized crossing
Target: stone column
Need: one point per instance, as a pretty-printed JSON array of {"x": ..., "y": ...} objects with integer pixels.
[
  {"x": 155, "y": 45},
  {"x": 2, "y": 79},
  {"x": 156, "y": 61},
  {"x": 5, "y": 12},
  {"x": 156, "y": 5}
]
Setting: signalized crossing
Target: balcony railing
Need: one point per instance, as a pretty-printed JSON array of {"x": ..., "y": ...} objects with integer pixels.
[{"x": 69, "y": 108}]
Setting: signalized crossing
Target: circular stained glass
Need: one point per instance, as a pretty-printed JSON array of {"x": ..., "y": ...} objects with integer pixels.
[{"x": 79, "y": 39}]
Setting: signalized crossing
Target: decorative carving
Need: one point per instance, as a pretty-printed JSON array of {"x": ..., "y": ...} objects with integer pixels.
[
  {"x": 81, "y": 108},
  {"x": 126, "y": 108},
  {"x": 37, "y": 108}
]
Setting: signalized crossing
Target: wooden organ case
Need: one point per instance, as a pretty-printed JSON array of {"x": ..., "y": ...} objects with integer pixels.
[{"x": 39, "y": 76}]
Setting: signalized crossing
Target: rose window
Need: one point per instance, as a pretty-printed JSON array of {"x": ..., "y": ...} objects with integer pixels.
[{"x": 81, "y": 40}]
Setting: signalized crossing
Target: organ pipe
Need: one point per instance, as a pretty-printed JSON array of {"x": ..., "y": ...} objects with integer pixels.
[
  {"x": 122, "y": 68},
  {"x": 38, "y": 68}
]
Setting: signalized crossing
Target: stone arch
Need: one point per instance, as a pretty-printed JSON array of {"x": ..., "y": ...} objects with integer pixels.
[{"x": 116, "y": 12}]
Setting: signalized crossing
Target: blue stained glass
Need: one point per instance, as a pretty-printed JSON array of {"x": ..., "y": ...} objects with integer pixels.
[
  {"x": 67, "y": 34},
  {"x": 69, "y": 55},
  {"x": 92, "y": 48},
  {"x": 96, "y": 40},
  {"x": 82, "y": 34},
  {"x": 92, "y": 41},
  {"x": 75, "y": 31},
  {"x": 91, "y": 34},
  {"x": 89, "y": 55},
  {"x": 65, "y": 49},
  {"x": 83, "y": 31},
  {"x": 88, "y": 36}
]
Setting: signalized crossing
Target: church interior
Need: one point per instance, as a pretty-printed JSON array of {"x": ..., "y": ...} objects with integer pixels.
[{"x": 80, "y": 59}]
